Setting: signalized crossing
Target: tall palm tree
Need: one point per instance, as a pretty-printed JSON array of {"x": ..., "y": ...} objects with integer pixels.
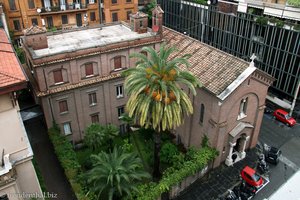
[
  {"x": 116, "y": 173},
  {"x": 156, "y": 97}
]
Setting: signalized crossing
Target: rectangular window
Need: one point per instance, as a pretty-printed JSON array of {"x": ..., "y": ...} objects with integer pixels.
[
  {"x": 12, "y": 5},
  {"x": 120, "y": 111},
  {"x": 115, "y": 17},
  {"x": 117, "y": 62},
  {"x": 128, "y": 1},
  {"x": 17, "y": 25},
  {"x": 58, "y": 78},
  {"x": 91, "y": 1},
  {"x": 92, "y": 99},
  {"x": 119, "y": 90},
  {"x": 128, "y": 14},
  {"x": 31, "y": 4},
  {"x": 67, "y": 128},
  {"x": 63, "y": 106},
  {"x": 89, "y": 69},
  {"x": 50, "y": 22},
  {"x": 114, "y": 1},
  {"x": 34, "y": 22},
  {"x": 141, "y": 23},
  {"x": 64, "y": 19},
  {"x": 4, "y": 197},
  {"x": 95, "y": 118},
  {"x": 92, "y": 16},
  {"x": 123, "y": 129}
]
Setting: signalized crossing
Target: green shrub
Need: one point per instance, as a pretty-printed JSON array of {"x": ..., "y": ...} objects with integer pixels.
[
  {"x": 67, "y": 157},
  {"x": 272, "y": 19},
  {"x": 173, "y": 176},
  {"x": 279, "y": 23},
  {"x": 295, "y": 3},
  {"x": 167, "y": 152},
  {"x": 261, "y": 20},
  {"x": 297, "y": 27}
]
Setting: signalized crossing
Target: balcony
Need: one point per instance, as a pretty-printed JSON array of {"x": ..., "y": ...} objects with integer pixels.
[
  {"x": 63, "y": 8},
  {"x": 276, "y": 8}
]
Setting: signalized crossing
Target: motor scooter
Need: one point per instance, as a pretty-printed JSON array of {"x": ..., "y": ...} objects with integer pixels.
[{"x": 262, "y": 166}]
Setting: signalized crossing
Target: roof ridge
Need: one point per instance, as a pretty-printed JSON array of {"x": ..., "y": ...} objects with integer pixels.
[{"x": 11, "y": 76}]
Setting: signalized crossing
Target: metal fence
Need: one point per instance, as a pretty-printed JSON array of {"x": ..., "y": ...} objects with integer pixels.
[{"x": 277, "y": 49}]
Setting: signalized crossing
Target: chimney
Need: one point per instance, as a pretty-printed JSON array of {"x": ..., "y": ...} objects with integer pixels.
[
  {"x": 36, "y": 37},
  {"x": 157, "y": 17},
  {"x": 139, "y": 22}
]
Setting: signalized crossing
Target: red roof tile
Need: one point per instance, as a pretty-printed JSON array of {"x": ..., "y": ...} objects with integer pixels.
[{"x": 10, "y": 69}]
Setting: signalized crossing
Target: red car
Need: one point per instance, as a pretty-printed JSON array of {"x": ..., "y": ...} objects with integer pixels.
[
  {"x": 284, "y": 117},
  {"x": 250, "y": 177}
]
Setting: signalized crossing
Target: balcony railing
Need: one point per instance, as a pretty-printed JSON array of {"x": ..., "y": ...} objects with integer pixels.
[{"x": 73, "y": 6}]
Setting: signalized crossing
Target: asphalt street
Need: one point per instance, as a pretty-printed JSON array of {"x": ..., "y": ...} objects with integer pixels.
[{"x": 277, "y": 134}]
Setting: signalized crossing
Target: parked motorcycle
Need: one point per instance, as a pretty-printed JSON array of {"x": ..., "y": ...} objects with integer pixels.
[
  {"x": 232, "y": 196},
  {"x": 262, "y": 166}
]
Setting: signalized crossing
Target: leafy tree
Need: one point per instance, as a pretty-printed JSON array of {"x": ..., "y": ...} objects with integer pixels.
[
  {"x": 148, "y": 10},
  {"x": 116, "y": 173},
  {"x": 97, "y": 135},
  {"x": 156, "y": 98}
]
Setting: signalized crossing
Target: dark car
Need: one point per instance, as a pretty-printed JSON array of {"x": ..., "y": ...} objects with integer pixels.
[{"x": 272, "y": 155}]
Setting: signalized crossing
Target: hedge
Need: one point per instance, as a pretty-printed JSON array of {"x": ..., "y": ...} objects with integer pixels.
[
  {"x": 173, "y": 176},
  {"x": 68, "y": 160}
]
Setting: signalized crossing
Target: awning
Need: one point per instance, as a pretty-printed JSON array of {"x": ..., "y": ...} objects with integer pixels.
[
  {"x": 294, "y": 15},
  {"x": 242, "y": 7},
  {"x": 273, "y": 12}
]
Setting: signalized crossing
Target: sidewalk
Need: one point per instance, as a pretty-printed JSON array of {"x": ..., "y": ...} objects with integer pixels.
[{"x": 218, "y": 181}]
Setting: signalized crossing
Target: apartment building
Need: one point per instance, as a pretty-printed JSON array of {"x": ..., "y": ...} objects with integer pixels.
[
  {"x": 18, "y": 179},
  {"x": 119, "y": 10},
  {"x": 64, "y": 14},
  {"x": 77, "y": 76}
]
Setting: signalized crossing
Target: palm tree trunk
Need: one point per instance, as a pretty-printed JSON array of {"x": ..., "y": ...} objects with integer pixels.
[{"x": 156, "y": 165}]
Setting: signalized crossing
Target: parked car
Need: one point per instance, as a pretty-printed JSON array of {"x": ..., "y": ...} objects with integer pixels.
[
  {"x": 284, "y": 117},
  {"x": 250, "y": 176},
  {"x": 272, "y": 154}
]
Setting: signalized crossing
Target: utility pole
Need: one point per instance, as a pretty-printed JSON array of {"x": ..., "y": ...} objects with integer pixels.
[{"x": 295, "y": 98}]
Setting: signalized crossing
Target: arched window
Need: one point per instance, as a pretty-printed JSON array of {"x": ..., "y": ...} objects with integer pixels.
[{"x": 202, "y": 109}]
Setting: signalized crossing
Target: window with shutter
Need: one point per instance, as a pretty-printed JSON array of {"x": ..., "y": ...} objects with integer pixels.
[
  {"x": 120, "y": 111},
  {"x": 67, "y": 128},
  {"x": 12, "y": 5},
  {"x": 63, "y": 106},
  {"x": 89, "y": 69},
  {"x": 118, "y": 62},
  {"x": 95, "y": 118},
  {"x": 58, "y": 78},
  {"x": 92, "y": 99},
  {"x": 31, "y": 4},
  {"x": 115, "y": 17},
  {"x": 119, "y": 90}
]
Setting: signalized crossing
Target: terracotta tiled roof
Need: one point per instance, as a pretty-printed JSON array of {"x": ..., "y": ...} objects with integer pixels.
[
  {"x": 35, "y": 30},
  {"x": 10, "y": 69},
  {"x": 139, "y": 14},
  {"x": 215, "y": 69}
]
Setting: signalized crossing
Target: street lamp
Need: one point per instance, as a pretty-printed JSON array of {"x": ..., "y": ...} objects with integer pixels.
[{"x": 295, "y": 98}]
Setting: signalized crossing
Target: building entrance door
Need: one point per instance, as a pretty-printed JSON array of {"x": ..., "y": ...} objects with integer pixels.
[{"x": 78, "y": 19}]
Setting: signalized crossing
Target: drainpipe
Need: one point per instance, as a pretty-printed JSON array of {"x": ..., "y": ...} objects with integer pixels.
[
  {"x": 100, "y": 11},
  {"x": 4, "y": 22},
  {"x": 295, "y": 98}
]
